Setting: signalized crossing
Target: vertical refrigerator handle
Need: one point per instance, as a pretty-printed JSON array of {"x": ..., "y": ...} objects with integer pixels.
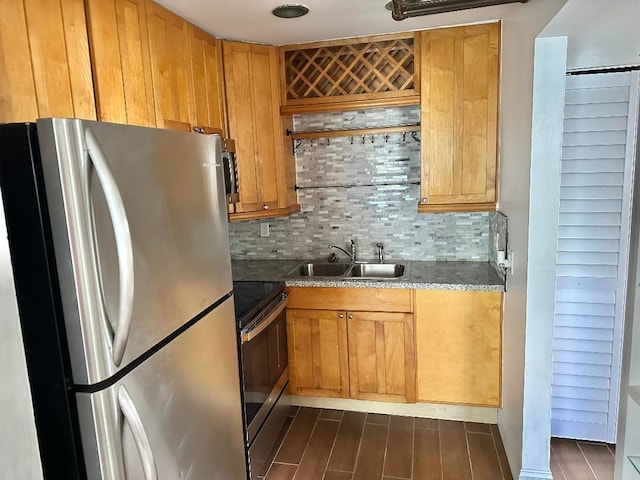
[
  {"x": 139, "y": 435},
  {"x": 124, "y": 245}
]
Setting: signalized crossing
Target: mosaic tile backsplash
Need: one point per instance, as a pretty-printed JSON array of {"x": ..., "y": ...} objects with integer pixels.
[{"x": 365, "y": 191}]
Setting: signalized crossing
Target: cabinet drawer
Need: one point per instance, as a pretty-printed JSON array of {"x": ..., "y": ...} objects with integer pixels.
[{"x": 353, "y": 299}]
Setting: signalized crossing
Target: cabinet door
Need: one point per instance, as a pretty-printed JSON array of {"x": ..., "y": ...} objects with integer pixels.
[
  {"x": 252, "y": 105},
  {"x": 121, "y": 61},
  {"x": 206, "y": 67},
  {"x": 317, "y": 343},
  {"x": 170, "y": 67},
  {"x": 44, "y": 60},
  {"x": 381, "y": 356},
  {"x": 458, "y": 346},
  {"x": 459, "y": 111}
]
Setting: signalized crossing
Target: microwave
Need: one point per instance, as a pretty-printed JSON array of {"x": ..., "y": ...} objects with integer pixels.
[
  {"x": 230, "y": 168},
  {"x": 229, "y": 163}
]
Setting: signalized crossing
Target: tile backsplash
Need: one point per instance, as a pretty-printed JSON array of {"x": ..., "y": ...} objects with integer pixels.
[
  {"x": 365, "y": 191},
  {"x": 498, "y": 231}
]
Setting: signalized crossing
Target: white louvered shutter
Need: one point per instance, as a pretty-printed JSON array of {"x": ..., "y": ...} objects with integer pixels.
[{"x": 595, "y": 190}]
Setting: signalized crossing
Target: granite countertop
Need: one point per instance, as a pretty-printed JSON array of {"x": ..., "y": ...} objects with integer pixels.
[{"x": 418, "y": 275}]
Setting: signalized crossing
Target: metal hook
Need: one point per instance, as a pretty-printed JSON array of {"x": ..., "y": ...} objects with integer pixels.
[
  {"x": 386, "y": 138},
  {"x": 328, "y": 141},
  {"x": 363, "y": 139},
  {"x": 414, "y": 135},
  {"x": 404, "y": 136},
  {"x": 372, "y": 139},
  {"x": 297, "y": 144},
  {"x": 351, "y": 139}
]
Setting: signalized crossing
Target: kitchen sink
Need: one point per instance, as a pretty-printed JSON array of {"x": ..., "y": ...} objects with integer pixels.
[
  {"x": 377, "y": 270},
  {"x": 319, "y": 270},
  {"x": 349, "y": 271}
]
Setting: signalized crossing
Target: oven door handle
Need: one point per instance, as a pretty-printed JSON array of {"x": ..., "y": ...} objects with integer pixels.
[{"x": 249, "y": 334}]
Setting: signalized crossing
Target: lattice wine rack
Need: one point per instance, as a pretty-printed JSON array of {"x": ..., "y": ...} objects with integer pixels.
[{"x": 376, "y": 68}]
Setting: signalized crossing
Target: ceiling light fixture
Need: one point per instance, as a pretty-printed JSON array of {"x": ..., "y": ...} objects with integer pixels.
[{"x": 290, "y": 11}]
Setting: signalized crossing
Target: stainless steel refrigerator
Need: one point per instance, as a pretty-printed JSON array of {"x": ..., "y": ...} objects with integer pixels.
[{"x": 120, "y": 253}]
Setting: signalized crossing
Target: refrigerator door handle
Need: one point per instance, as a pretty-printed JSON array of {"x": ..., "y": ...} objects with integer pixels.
[
  {"x": 123, "y": 242},
  {"x": 139, "y": 435}
]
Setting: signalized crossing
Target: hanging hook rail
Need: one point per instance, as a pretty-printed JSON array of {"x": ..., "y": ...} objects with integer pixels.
[
  {"x": 356, "y": 132},
  {"x": 357, "y": 185}
]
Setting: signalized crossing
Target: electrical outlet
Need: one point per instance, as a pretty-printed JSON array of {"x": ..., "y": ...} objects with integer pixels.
[{"x": 264, "y": 229}]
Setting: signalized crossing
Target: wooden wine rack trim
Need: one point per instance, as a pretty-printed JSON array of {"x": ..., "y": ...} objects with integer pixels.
[
  {"x": 370, "y": 71},
  {"x": 352, "y": 102}
]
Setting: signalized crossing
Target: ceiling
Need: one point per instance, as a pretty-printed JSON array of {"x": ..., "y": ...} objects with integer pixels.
[{"x": 252, "y": 21}]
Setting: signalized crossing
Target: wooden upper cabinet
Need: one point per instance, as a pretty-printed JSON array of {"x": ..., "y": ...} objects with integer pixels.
[
  {"x": 170, "y": 67},
  {"x": 350, "y": 74},
  {"x": 208, "y": 88},
  {"x": 250, "y": 73},
  {"x": 121, "y": 61},
  {"x": 459, "y": 116},
  {"x": 45, "y": 69},
  {"x": 458, "y": 346}
]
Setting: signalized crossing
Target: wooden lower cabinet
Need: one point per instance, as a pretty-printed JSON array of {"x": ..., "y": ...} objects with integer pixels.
[
  {"x": 344, "y": 352},
  {"x": 458, "y": 346},
  {"x": 381, "y": 356},
  {"x": 317, "y": 341}
]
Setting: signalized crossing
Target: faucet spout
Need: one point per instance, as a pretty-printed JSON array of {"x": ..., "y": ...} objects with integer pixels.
[{"x": 351, "y": 255}]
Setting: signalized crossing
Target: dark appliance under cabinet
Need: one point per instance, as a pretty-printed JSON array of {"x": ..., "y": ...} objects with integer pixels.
[{"x": 260, "y": 310}]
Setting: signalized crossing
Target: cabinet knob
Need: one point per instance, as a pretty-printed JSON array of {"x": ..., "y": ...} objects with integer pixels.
[
  {"x": 265, "y": 207},
  {"x": 424, "y": 200},
  {"x": 340, "y": 315},
  {"x": 350, "y": 317}
]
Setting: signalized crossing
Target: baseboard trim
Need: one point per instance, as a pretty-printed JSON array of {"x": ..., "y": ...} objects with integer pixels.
[
  {"x": 423, "y": 410},
  {"x": 527, "y": 474}
]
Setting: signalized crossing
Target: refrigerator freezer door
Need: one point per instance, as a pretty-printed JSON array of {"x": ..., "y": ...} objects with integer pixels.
[
  {"x": 139, "y": 226},
  {"x": 183, "y": 418}
]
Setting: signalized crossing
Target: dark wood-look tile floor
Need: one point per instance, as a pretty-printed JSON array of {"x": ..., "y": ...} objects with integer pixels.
[
  {"x": 336, "y": 445},
  {"x": 579, "y": 460}
]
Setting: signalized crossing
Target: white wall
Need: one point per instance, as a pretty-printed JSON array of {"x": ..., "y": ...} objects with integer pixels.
[
  {"x": 19, "y": 454},
  {"x": 519, "y": 32},
  {"x": 546, "y": 151},
  {"x": 600, "y": 33},
  {"x": 628, "y": 442}
]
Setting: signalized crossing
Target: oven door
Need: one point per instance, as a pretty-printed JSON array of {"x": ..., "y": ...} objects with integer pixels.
[{"x": 264, "y": 363}]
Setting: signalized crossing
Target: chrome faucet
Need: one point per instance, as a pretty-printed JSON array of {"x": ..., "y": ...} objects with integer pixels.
[
  {"x": 380, "y": 248},
  {"x": 353, "y": 255}
]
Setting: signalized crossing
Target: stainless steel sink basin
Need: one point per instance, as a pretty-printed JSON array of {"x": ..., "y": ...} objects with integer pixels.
[
  {"x": 349, "y": 271},
  {"x": 319, "y": 270},
  {"x": 377, "y": 270}
]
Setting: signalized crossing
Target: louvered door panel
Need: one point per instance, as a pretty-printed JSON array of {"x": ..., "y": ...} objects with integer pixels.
[{"x": 592, "y": 254}]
